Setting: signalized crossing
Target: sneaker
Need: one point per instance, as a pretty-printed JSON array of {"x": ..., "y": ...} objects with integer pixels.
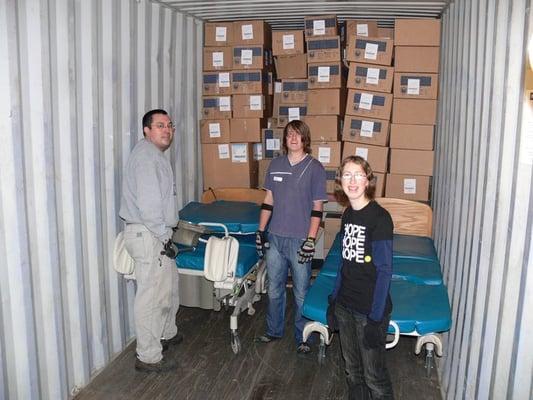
[
  {"x": 266, "y": 338},
  {"x": 164, "y": 365},
  {"x": 176, "y": 339},
  {"x": 303, "y": 348}
]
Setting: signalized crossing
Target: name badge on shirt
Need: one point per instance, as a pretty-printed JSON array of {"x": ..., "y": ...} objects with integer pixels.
[{"x": 278, "y": 179}]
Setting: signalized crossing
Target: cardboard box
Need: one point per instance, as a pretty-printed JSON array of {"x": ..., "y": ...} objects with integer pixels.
[
  {"x": 326, "y": 102},
  {"x": 328, "y": 153},
  {"x": 276, "y": 99},
  {"x": 257, "y": 151},
  {"x": 369, "y": 104},
  {"x": 332, "y": 226},
  {"x": 414, "y": 111},
  {"x": 288, "y": 42},
  {"x": 380, "y": 184},
  {"x": 416, "y": 162},
  {"x": 289, "y": 112},
  {"x": 386, "y": 33},
  {"x": 371, "y": 50},
  {"x": 361, "y": 27},
  {"x": 252, "y": 33},
  {"x": 324, "y": 49},
  {"x": 246, "y": 129},
  {"x": 229, "y": 165},
  {"x": 215, "y": 131},
  {"x": 326, "y": 75},
  {"x": 249, "y": 82},
  {"x": 291, "y": 66},
  {"x": 271, "y": 80},
  {"x": 417, "y": 32},
  {"x": 414, "y": 137},
  {"x": 218, "y": 34},
  {"x": 250, "y": 57},
  {"x": 262, "y": 170},
  {"x": 366, "y": 130},
  {"x": 371, "y": 77},
  {"x": 324, "y": 128},
  {"x": 248, "y": 106},
  {"x": 376, "y": 156},
  {"x": 272, "y": 139},
  {"x": 413, "y": 85},
  {"x": 216, "y": 83},
  {"x": 218, "y": 59},
  {"x": 293, "y": 91},
  {"x": 416, "y": 59},
  {"x": 216, "y": 107},
  {"x": 331, "y": 175},
  {"x": 409, "y": 187},
  {"x": 320, "y": 25}
]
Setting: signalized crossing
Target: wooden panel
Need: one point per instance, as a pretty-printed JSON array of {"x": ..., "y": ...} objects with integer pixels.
[{"x": 409, "y": 217}]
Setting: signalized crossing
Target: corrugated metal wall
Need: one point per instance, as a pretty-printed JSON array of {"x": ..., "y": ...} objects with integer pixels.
[
  {"x": 483, "y": 200},
  {"x": 76, "y": 77}
]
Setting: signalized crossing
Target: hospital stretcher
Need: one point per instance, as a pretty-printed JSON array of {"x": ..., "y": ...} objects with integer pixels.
[
  {"x": 243, "y": 286},
  {"x": 420, "y": 299}
]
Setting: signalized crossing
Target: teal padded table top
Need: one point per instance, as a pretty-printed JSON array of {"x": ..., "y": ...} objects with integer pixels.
[
  {"x": 409, "y": 246},
  {"x": 239, "y": 216}
]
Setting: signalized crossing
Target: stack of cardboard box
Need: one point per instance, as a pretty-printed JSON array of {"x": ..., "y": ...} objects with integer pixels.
[
  {"x": 237, "y": 70},
  {"x": 414, "y": 108},
  {"x": 369, "y": 103}
]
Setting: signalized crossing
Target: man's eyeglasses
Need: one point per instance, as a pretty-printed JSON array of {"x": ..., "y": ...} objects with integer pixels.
[
  {"x": 358, "y": 176},
  {"x": 160, "y": 125}
]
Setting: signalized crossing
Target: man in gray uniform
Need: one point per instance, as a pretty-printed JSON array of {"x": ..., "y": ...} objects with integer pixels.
[{"x": 148, "y": 206}]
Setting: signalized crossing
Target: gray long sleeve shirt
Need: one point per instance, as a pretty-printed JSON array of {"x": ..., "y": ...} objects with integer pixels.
[{"x": 148, "y": 191}]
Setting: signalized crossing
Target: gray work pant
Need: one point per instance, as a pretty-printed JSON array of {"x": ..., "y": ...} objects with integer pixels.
[{"x": 157, "y": 298}]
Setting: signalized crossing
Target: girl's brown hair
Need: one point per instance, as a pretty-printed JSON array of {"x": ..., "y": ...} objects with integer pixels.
[
  {"x": 302, "y": 128},
  {"x": 370, "y": 190}
]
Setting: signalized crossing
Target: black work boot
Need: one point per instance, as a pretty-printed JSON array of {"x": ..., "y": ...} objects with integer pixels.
[
  {"x": 164, "y": 365},
  {"x": 175, "y": 340}
]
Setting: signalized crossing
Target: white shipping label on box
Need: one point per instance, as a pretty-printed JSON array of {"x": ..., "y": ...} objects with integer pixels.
[
  {"x": 224, "y": 103},
  {"x": 294, "y": 113},
  {"x": 362, "y": 29},
  {"x": 365, "y": 102},
  {"x": 277, "y": 87},
  {"x": 214, "y": 130},
  {"x": 409, "y": 186},
  {"x": 247, "y": 32},
  {"x": 288, "y": 42},
  {"x": 323, "y": 74},
  {"x": 239, "y": 152},
  {"x": 273, "y": 144},
  {"x": 367, "y": 128},
  {"x": 324, "y": 155},
  {"x": 223, "y": 79},
  {"x": 218, "y": 59},
  {"x": 371, "y": 51},
  {"x": 256, "y": 103},
  {"x": 372, "y": 76},
  {"x": 319, "y": 27},
  {"x": 258, "y": 151},
  {"x": 361, "y": 152},
  {"x": 223, "y": 151},
  {"x": 246, "y": 57},
  {"x": 220, "y": 33},
  {"x": 413, "y": 86}
]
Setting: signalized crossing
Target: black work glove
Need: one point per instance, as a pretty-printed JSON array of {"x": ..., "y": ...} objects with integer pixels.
[
  {"x": 169, "y": 249},
  {"x": 306, "y": 251},
  {"x": 261, "y": 243},
  {"x": 373, "y": 334},
  {"x": 333, "y": 325}
]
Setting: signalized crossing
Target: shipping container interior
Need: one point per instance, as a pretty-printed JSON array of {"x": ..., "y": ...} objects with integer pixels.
[{"x": 76, "y": 77}]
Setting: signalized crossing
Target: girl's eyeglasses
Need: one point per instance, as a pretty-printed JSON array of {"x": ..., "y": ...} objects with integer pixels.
[{"x": 358, "y": 176}]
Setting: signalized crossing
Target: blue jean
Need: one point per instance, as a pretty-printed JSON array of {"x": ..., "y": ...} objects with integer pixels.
[
  {"x": 282, "y": 255},
  {"x": 366, "y": 370}
]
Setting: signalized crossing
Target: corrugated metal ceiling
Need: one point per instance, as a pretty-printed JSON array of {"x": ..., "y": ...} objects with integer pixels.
[{"x": 289, "y": 14}]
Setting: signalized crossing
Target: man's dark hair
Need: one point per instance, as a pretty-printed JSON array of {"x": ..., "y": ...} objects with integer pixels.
[{"x": 147, "y": 119}]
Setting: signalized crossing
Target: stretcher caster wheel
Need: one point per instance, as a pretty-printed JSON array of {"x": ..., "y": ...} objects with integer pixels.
[
  {"x": 251, "y": 310},
  {"x": 321, "y": 353},
  {"x": 235, "y": 343},
  {"x": 429, "y": 362}
]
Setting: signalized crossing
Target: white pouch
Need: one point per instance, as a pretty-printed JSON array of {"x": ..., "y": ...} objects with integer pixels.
[
  {"x": 220, "y": 260},
  {"x": 122, "y": 261}
]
